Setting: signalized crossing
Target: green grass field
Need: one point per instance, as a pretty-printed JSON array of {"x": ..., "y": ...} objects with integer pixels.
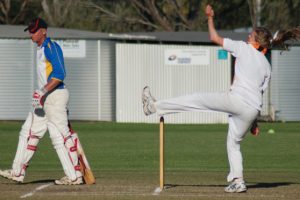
[{"x": 125, "y": 160}]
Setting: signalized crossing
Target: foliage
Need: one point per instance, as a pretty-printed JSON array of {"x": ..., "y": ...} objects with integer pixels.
[
  {"x": 151, "y": 15},
  {"x": 278, "y": 14}
]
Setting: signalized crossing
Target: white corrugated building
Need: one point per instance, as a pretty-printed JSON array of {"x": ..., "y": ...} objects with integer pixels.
[
  {"x": 106, "y": 74},
  {"x": 285, "y": 84},
  {"x": 208, "y": 69},
  {"x": 89, "y": 60}
]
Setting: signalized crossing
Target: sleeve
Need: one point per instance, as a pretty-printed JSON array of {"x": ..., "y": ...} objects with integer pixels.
[
  {"x": 234, "y": 47},
  {"x": 266, "y": 81},
  {"x": 54, "y": 55}
]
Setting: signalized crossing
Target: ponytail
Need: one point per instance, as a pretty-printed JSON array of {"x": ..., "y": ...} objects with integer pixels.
[
  {"x": 281, "y": 36},
  {"x": 266, "y": 40}
]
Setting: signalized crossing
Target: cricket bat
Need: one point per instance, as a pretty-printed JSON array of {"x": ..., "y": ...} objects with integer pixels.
[{"x": 85, "y": 168}]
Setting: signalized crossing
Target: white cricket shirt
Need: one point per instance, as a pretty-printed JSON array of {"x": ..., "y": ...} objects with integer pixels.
[
  {"x": 252, "y": 72},
  {"x": 50, "y": 63}
]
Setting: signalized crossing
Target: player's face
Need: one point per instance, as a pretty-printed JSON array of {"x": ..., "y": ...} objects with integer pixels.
[{"x": 39, "y": 36}]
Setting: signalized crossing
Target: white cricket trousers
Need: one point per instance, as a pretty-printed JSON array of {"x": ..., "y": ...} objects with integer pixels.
[
  {"x": 55, "y": 120},
  {"x": 241, "y": 116}
]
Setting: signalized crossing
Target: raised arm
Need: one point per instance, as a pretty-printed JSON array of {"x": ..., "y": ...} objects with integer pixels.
[{"x": 213, "y": 35}]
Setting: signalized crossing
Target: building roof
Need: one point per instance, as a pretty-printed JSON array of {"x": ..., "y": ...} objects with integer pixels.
[
  {"x": 188, "y": 36},
  {"x": 17, "y": 32}
]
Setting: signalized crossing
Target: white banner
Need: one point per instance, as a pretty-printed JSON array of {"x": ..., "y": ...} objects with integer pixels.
[
  {"x": 72, "y": 48},
  {"x": 186, "y": 57}
]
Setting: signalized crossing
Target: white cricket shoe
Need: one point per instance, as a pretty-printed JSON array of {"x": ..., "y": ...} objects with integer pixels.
[
  {"x": 235, "y": 187},
  {"x": 9, "y": 175},
  {"x": 148, "y": 101},
  {"x": 67, "y": 181}
]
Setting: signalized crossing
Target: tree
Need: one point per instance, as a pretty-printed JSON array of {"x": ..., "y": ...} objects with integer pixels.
[
  {"x": 12, "y": 12},
  {"x": 171, "y": 15},
  {"x": 57, "y": 12},
  {"x": 152, "y": 15},
  {"x": 231, "y": 14},
  {"x": 278, "y": 14},
  {"x": 255, "y": 11}
]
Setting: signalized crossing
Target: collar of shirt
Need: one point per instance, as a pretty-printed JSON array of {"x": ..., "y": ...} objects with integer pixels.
[
  {"x": 259, "y": 48},
  {"x": 45, "y": 42}
]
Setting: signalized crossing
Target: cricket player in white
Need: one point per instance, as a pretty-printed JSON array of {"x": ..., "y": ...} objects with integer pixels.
[
  {"x": 49, "y": 112},
  {"x": 242, "y": 102}
]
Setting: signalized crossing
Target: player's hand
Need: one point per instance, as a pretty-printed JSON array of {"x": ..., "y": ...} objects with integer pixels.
[
  {"x": 254, "y": 128},
  {"x": 209, "y": 12},
  {"x": 37, "y": 99}
]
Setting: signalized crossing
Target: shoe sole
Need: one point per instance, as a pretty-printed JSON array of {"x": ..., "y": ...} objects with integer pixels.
[
  {"x": 57, "y": 183},
  {"x": 10, "y": 178},
  {"x": 237, "y": 191},
  {"x": 144, "y": 96},
  {"x": 144, "y": 100},
  {"x": 69, "y": 184},
  {"x": 17, "y": 181}
]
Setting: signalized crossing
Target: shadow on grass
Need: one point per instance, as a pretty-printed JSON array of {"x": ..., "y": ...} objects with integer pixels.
[
  {"x": 254, "y": 185},
  {"x": 40, "y": 181},
  {"x": 269, "y": 185},
  {"x": 169, "y": 186}
]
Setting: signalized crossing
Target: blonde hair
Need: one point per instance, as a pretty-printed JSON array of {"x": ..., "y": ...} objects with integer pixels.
[{"x": 266, "y": 40}]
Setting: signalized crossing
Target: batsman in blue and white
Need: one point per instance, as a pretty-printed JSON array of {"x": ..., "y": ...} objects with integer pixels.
[
  {"x": 51, "y": 101},
  {"x": 242, "y": 102}
]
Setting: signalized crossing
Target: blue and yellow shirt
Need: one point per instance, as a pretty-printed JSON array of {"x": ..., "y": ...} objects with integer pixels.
[{"x": 50, "y": 63}]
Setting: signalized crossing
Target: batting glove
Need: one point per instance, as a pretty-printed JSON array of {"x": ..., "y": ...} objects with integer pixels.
[{"x": 37, "y": 98}]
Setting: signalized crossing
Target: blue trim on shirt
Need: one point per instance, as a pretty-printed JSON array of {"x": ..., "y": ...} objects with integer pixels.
[{"x": 54, "y": 55}]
